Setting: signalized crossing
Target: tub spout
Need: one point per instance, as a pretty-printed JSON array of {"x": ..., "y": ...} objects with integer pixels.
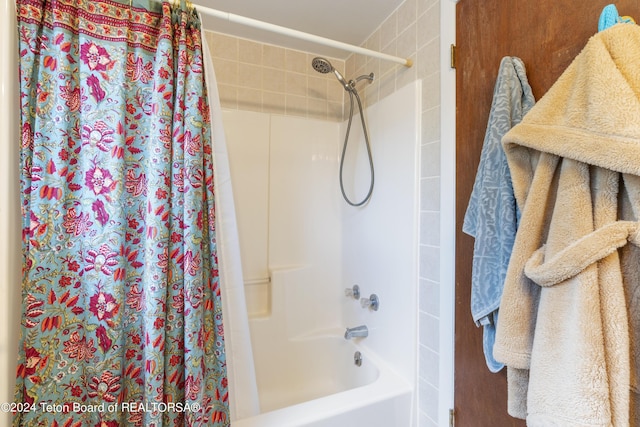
[{"x": 357, "y": 332}]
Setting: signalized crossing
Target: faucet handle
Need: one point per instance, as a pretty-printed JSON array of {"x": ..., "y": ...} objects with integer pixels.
[
  {"x": 353, "y": 292},
  {"x": 372, "y": 302}
]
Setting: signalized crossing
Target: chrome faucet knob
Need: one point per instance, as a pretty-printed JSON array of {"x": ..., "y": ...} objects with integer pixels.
[
  {"x": 353, "y": 292},
  {"x": 372, "y": 302}
]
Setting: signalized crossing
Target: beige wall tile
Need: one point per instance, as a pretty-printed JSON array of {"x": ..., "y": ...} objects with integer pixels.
[
  {"x": 373, "y": 66},
  {"x": 407, "y": 14},
  {"x": 373, "y": 42},
  {"x": 372, "y": 92},
  {"x": 261, "y": 77},
  {"x": 296, "y": 84},
  {"x": 406, "y": 42},
  {"x": 431, "y": 91},
  {"x": 350, "y": 65},
  {"x": 317, "y": 87},
  {"x": 335, "y": 91},
  {"x": 223, "y": 46},
  {"x": 429, "y": 58},
  {"x": 250, "y": 52},
  {"x": 273, "y": 56},
  {"x": 389, "y": 30},
  {"x": 226, "y": 71},
  {"x": 361, "y": 61},
  {"x": 228, "y": 96},
  {"x": 250, "y": 76},
  {"x": 249, "y": 99},
  {"x": 388, "y": 66},
  {"x": 296, "y": 61},
  {"x": 273, "y": 80},
  {"x": 265, "y": 77},
  {"x": 424, "y": 5},
  {"x": 429, "y": 25},
  {"x": 431, "y": 125}
]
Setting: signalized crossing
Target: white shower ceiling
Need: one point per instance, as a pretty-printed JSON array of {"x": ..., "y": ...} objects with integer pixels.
[{"x": 348, "y": 21}]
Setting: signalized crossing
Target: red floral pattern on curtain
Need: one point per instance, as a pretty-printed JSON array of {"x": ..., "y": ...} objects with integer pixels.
[{"x": 122, "y": 318}]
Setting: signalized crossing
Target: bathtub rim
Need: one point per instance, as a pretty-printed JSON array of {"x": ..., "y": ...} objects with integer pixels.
[{"x": 387, "y": 386}]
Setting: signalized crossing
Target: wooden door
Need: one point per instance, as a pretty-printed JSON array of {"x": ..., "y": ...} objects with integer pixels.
[{"x": 547, "y": 35}]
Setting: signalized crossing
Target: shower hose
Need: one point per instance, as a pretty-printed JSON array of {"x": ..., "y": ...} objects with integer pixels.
[{"x": 352, "y": 91}]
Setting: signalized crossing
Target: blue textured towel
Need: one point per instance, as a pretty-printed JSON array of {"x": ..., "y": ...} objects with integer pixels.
[
  {"x": 492, "y": 214},
  {"x": 610, "y": 17}
]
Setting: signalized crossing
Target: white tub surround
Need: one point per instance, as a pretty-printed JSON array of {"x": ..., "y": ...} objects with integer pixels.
[
  {"x": 307, "y": 376},
  {"x": 313, "y": 246},
  {"x": 380, "y": 240}
]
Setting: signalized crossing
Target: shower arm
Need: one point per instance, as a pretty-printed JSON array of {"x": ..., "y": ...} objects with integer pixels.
[
  {"x": 352, "y": 82},
  {"x": 369, "y": 77}
]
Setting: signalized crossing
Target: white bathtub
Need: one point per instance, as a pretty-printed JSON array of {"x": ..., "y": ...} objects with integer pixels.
[{"x": 307, "y": 377}]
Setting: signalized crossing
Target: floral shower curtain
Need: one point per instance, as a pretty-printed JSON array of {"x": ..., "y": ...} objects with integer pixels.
[{"x": 121, "y": 317}]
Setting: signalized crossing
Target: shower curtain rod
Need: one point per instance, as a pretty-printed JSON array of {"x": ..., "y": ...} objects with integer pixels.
[{"x": 242, "y": 20}]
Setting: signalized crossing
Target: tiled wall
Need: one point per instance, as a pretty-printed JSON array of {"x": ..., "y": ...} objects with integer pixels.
[
  {"x": 271, "y": 79},
  {"x": 413, "y": 31},
  {"x": 266, "y": 78}
]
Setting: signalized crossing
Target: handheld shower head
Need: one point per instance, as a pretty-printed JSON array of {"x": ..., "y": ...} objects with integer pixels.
[{"x": 323, "y": 66}]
